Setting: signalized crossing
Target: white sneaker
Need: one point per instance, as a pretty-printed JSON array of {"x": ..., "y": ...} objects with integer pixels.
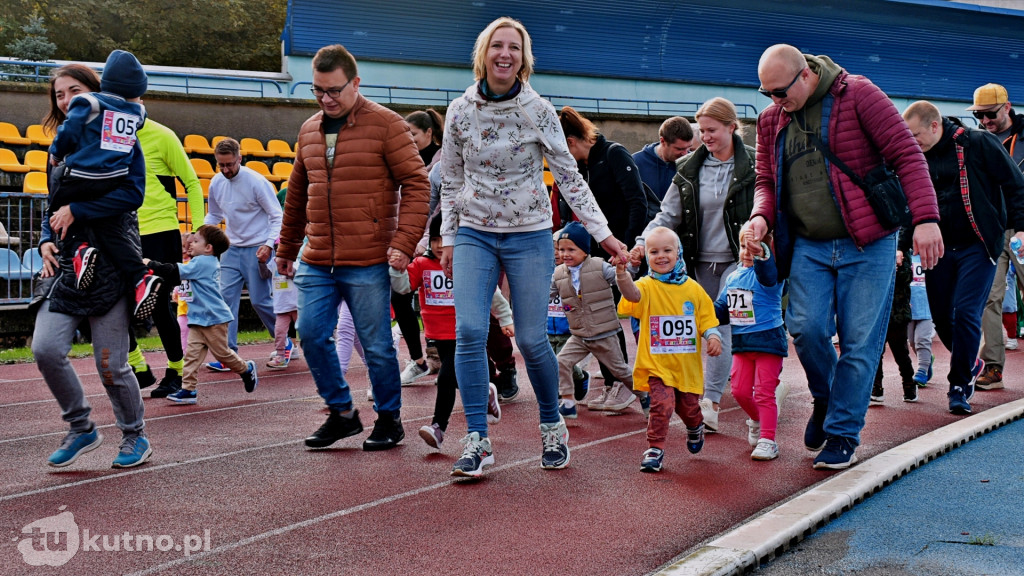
[
  {"x": 707, "y": 409},
  {"x": 781, "y": 391},
  {"x": 1011, "y": 343},
  {"x": 753, "y": 432},
  {"x": 766, "y": 450},
  {"x": 413, "y": 372},
  {"x": 493, "y": 408}
]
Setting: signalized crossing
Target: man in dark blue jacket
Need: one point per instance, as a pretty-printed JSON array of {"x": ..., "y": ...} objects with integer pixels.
[
  {"x": 656, "y": 162},
  {"x": 980, "y": 194}
]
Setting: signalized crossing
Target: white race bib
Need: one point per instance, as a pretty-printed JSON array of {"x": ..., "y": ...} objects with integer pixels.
[
  {"x": 674, "y": 334},
  {"x": 555, "y": 309},
  {"x": 185, "y": 291},
  {"x": 741, "y": 307},
  {"x": 118, "y": 132},
  {"x": 917, "y": 271},
  {"x": 437, "y": 289},
  {"x": 283, "y": 283}
]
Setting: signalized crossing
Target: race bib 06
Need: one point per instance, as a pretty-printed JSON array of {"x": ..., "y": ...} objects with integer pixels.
[{"x": 437, "y": 289}]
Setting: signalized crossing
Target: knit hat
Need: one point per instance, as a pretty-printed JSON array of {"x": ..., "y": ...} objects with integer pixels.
[
  {"x": 575, "y": 232},
  {"x": 988, "y": 96},
  {"x": 123, "y": 75}
]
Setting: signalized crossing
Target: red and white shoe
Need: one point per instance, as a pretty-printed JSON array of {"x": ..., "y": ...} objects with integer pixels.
[
  {"x": 145, "y": 295},
  {"x": 85, "y": 266}
]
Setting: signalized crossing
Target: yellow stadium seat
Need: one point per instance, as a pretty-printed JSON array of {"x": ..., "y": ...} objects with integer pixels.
[
  {"x": 9, "y": 134},
  {"x": 217, "y": 139},
  {"x": 182, "y": 211},
  {"x": 280, "y": 148},
  {"x": 549, "y": 178},
  {"x": 9, "y": 162},
  {"x": 35, "y": 183},
  {"x": 262, "y": 169},
  {"x": 197, "y": 144},
  {"x": 284, "y": 184},
  {"x": 205, "y": 183},
  {"x": 282, "y": 169},
  {"x": 253, "y": 147},
  {"x": 39, "y": 135},
  {"x": 202, "y": 167},
  {"x": 37, "y": 160}
]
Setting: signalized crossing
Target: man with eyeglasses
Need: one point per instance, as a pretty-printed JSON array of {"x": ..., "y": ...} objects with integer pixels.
[
  {"x": 839, "y": 259},
  {"x": 359, "y": 193},
  {"x": 247, "y": 203},
  {"x": 994, "y": 112}
]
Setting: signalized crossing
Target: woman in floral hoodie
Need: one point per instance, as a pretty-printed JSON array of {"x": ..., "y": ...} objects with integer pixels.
[{"x": 497, "y": 216}]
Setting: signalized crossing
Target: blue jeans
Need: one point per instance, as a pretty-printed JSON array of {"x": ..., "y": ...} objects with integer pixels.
[
  {"x": 528, "y": 261},
  {"x": 958, "y": 288},
  {"x": 238, "y": 265},
  {"x": 834, "y": 277},
  {"x": 367, "y": 290}
]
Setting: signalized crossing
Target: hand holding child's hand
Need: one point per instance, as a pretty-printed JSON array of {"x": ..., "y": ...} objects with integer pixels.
[
  {"x": 714, "y": 347},
  {"x": 620, "y": 266},
  {"x": 636, "y": 255},
  {"x": 509, "y": 330}
]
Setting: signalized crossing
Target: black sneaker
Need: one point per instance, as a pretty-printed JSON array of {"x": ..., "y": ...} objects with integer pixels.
[
  {"x": 582, "y": 387},
  {"x": 84, "y": 263},
  {"x": 250, "y": 378},
  {"x": 170, "y": 384},
  {"x": 877, "y": 394},
  {"x": 387, "y": 433},
  {"x": 508, "y": 388},
  {"x": 910, "y": 391},
  {"x": 814, "y": 434},
  {"x": 145, "y": 378},
  {"x": 336, "y": 428}
]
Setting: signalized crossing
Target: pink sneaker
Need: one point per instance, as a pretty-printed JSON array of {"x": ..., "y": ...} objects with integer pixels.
[
  {"x": 493, "y": 408},
  {"x": 85, "y": 266},
  {"x": 145, "y": 295}
]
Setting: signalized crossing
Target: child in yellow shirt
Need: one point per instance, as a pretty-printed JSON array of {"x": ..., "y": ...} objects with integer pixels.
[{"x": 674, "y": 313}]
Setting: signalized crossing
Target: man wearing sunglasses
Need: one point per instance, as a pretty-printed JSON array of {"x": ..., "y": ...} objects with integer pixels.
[
  {"x": 839, "y": 259},
  {"x": 994, "y": 112}
]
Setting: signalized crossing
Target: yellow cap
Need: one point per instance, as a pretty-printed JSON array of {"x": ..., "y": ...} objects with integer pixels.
[{"x": 988, "y": 96}]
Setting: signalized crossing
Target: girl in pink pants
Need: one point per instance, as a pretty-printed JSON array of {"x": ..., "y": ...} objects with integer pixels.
[{"x": 751, "y": 303}]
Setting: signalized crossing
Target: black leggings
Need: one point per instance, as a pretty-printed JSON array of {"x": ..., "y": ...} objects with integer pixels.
[
  {"x": 164, "y": 247},
  {"x": 446, "y": 382},
  {"x": 408, "y": 323},
  {"x": 896, "y": 338}
]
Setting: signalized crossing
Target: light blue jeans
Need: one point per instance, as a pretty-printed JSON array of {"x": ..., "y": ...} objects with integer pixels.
[
  {"x": 835, "y": 277},
  {"x": 528, "y": 261},
  {"x": 367, "y": 290},
  {"x": 238, "y": 266}
]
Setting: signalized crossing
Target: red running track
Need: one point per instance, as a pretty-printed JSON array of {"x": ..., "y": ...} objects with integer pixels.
[{"x": 231, "y": 472}]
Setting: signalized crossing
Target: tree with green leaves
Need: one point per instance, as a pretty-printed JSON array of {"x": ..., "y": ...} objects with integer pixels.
[{"x": 33, "y": 45}]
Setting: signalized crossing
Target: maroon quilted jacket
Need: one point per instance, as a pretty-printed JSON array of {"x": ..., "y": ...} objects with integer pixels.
[{"x": 863, "y": 128}]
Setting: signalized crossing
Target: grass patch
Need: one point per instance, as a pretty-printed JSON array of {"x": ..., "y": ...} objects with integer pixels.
[
  {"x": 148, "y": 344},
  {"x": 986, "y": 540}
]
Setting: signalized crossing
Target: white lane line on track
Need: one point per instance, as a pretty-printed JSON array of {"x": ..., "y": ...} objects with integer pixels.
[
  {"x": 50, "y": 401},
  {"x": 359, "y": 508}
]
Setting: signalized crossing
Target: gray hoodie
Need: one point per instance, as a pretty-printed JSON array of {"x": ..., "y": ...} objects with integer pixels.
[{"x": 492, "y": 167}]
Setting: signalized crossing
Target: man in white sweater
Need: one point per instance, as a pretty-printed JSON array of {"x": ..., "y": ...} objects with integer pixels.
[{"x": 246, "y": 202}]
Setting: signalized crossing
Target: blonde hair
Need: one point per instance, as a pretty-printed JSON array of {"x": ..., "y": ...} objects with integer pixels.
[
  {"x": 720, "y": 109},
  {"x": 662, "y": 230},
  {"x": 484, "y": 40}
]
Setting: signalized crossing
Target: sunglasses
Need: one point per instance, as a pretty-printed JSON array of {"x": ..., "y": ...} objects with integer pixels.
[
  {"x": 780, "y": 94},
  {"x": 990, "y": 115}
]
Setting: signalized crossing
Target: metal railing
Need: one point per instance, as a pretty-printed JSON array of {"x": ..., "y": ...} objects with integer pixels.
[{"x": 21, "y": 215}]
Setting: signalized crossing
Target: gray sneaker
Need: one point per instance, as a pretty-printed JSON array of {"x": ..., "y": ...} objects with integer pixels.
[
  {"x": 413, "y": 372},
  {"x": 598, "y": 398},
  {"x": 555, "y": 438}
]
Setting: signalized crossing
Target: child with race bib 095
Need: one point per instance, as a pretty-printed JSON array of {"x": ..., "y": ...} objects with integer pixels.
[
  {"x": 437, "y": 308},
  {"x": 751, "y": 303},
  {"x": 676, "y": 316}
]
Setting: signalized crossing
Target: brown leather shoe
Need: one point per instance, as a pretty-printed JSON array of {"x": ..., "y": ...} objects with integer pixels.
[{"x": 991, "y": 379}]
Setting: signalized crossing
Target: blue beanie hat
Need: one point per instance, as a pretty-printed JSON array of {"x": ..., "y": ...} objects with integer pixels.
[
  {"x": 123, "y": 75},
  {"x": 579, "y": 236}
]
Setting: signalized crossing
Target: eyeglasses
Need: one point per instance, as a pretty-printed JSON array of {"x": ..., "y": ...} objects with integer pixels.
[
  {"x": 332, "y": 92},
  {"x": 780, "y": 94},
  {"x": 991, "y": 115}
]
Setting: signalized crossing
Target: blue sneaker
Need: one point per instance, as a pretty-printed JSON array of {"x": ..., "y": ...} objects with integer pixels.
[
  {"x": 921, "y": 377},
  {"x": 837, "y": 454},
  {"x": 979, "y": 367},
  {"x": 652, "y": 460},
  {"x": 931, "y": 368},
  {"x": 183, "y": 396},
  {"x": 218, "y": 367},
  {"x": 567, "y": 413},
  {"x": 695, "y": 439},
  {"x": 250, "y": 378},
  {"x": 74, "y": 445},
  {"x": 958, "y": 402},
  {"x": 582, "y": 387},
  {"x": 135, "y": 450}
]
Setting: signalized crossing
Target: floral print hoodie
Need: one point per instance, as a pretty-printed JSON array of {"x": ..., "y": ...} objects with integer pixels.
[{"x": 492, "y": 167}]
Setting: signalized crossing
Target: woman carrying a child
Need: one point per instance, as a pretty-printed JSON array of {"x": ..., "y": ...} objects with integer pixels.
[{"x": 107, "y": 303}]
